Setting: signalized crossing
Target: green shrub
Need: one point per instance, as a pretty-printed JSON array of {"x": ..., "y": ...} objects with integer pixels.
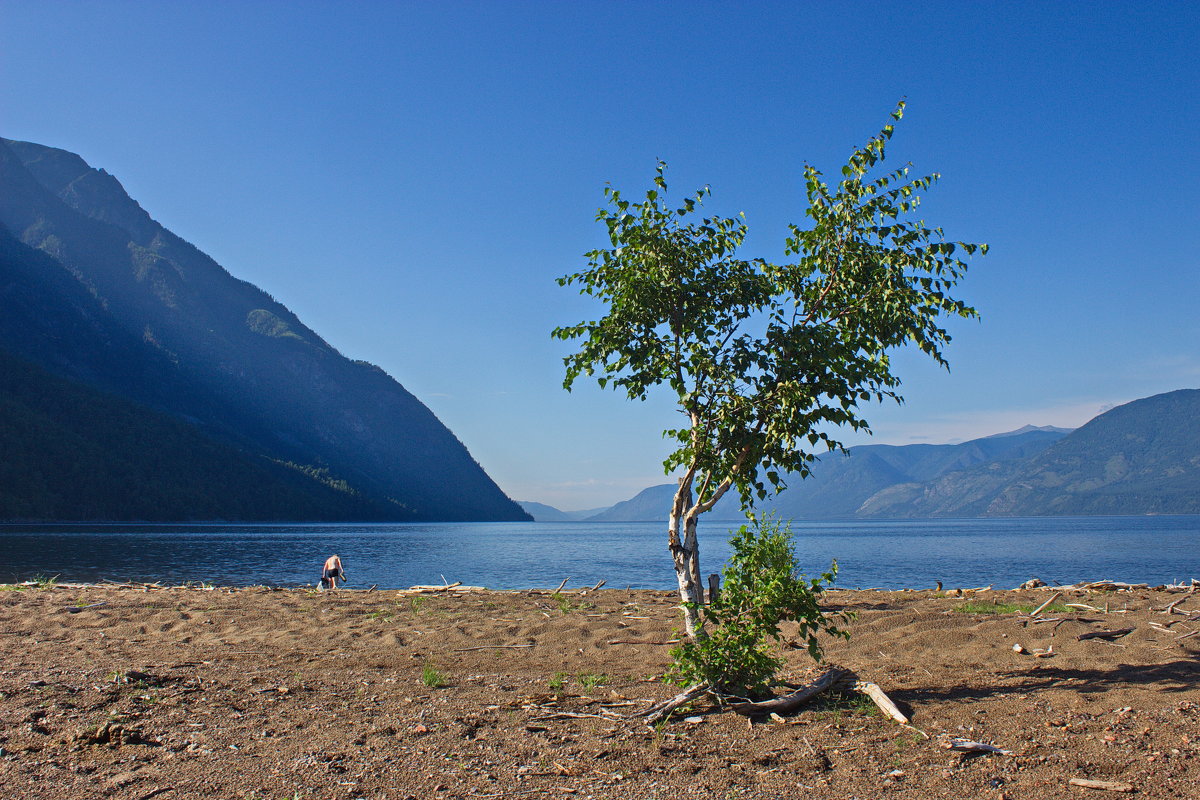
[
  {"x": 566, "y": 606},
  {"x": 762, "y": 589}
]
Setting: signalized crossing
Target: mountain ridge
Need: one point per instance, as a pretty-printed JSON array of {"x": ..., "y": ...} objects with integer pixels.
[
  {"x": 266, "y": 382},
  {"x": 1142, "y": 457},
  {"x": 841, "y": 483}
]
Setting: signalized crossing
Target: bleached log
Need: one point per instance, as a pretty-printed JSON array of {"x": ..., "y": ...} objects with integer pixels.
[
  {"x": 880, "y": 698},
  {"x": 1046, "y": 604},
  {"x": 1085, "y": 607},
  {"x": 665, "y": 708},
  {"x": 790, "y": 702},
  {"x": 969, "y": 746},
  {"x": 492, "y": 647},
  {"x": 77, "y": 609},
  {"x": 1117, "y": 634},
  {"x": 1113, "y": 586},
  {"x": 1108, "y": 786}
]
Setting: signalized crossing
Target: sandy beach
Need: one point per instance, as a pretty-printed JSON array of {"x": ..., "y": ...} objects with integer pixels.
[{"x": 140, "y": 692}]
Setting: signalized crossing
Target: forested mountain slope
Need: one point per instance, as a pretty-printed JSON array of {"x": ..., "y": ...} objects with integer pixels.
[
  {"x": 113, "y": 300},
  {"x": 1140, "y": 458}
]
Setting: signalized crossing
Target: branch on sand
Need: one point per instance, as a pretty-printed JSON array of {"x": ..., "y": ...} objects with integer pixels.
[{"x": 835, "y": 678}]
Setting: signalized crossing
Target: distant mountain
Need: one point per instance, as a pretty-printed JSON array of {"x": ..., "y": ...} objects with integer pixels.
[
  {"x": 840, "y": 484},
  {"x": 1030, "y": 428},
  {"x": 649, "y": 505},
  {"x": 544, "y": 513},
  {"x": 95, "y": 293},
  {"x": 1139, "y": 458}
]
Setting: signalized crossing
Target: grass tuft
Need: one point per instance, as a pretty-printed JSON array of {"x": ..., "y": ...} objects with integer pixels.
[
  {"x": 590, "y": 680},
  {"x": 431, "y": 677},
  {"x": 996, "y": 607}
]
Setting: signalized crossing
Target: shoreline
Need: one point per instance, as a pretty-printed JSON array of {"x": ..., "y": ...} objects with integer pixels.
[
  {"x": 1033, "y": 584},
  {"x": 123, "y": 692}
]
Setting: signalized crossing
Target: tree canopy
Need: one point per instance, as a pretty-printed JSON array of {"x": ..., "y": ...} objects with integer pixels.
[{"x": 767, "y": 360}]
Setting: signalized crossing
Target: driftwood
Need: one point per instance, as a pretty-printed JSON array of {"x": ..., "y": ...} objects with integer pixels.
[
  {"x": 1046, "y": 604},
  {"x": 561, "y": 585},
  {"x": 790, "y": 702},
  {"x": 492, "y": 647},
  {"x": 156, "y": 792},
  {"x": 643, "y": 641},
  {"x": 1109, "y": 586},
  {"x": 969, "y": 746},
  {"x": 964, "y": 592},
  {"x": 1084, "y": 607},
  {"x": 880, "y": 699},
  {"x": 1107, "y": 635},
  {"x": 1169, "y": 608},
  {"x": 665, "y": 708},
  {"x": 599, "y": 584},
  {"x": 835, "y": 678},
  {"x": 77, "y": 609},
  {"x": 575, "y": 715},
  {"x": 1108, "y": 786}
]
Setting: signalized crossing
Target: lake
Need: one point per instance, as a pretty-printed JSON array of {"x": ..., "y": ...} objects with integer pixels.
[{"x": 887, "y": 554}]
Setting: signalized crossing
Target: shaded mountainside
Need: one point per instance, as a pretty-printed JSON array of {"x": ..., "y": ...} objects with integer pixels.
[
  {"x": 94, "y": 291},
  {"x": 1139, "y": 458},
  {"x": 75, "y": 453},
  {"x": 841, "y": 484}
]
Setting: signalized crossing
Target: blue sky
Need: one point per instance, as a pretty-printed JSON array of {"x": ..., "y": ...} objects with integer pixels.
[{"x": 410, "y": 178}]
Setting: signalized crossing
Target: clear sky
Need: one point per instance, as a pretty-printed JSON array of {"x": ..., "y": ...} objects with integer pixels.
[{"x": 410, "y": 178}]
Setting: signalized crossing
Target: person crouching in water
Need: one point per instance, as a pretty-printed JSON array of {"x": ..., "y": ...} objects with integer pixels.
[{"x": 331, "y": 572}]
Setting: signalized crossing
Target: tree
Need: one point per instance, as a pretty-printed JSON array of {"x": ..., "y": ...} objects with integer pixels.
[{"x": 767, "y": 360}]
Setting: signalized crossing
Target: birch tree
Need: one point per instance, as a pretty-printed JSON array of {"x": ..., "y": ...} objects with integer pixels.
[{"x": 769, "y": 362}]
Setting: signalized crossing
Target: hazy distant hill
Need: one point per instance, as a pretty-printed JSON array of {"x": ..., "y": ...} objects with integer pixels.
[
  {"x": 116, "y": 302},
  {"x": 1139, "y": 458},
  {"x": 841, "y": 484},
  {"x": 544, "y": 513}
]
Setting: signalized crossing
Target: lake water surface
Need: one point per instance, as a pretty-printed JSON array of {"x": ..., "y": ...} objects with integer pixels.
[{"x": 888, "y": 554}]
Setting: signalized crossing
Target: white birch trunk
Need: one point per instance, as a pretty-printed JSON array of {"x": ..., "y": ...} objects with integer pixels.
[{"x": 685, "y": 553}]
